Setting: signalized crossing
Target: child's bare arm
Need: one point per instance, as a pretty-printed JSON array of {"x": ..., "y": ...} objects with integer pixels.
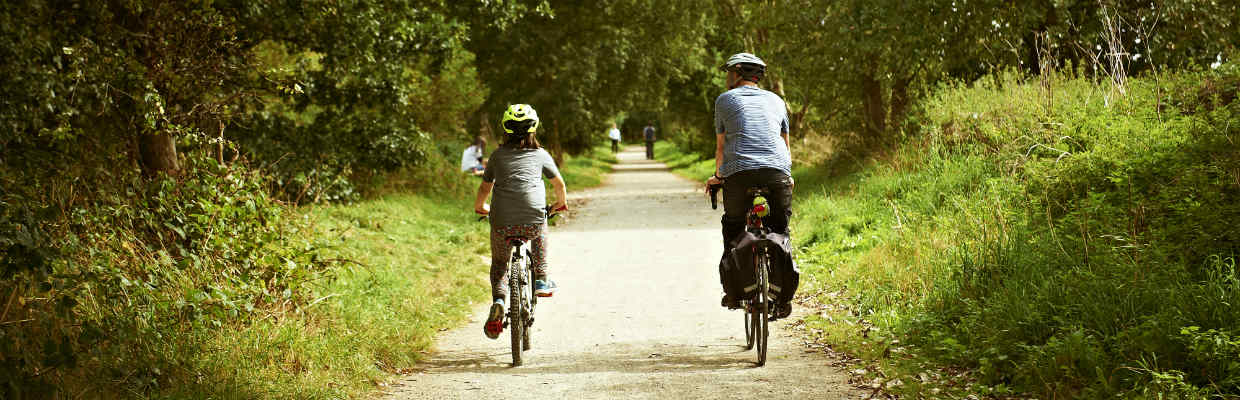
[
  {"x": 480, "y": 203},
  {"x": 561, "y": 193}
]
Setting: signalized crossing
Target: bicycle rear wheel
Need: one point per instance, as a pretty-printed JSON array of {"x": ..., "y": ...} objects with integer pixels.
[
  {"x": 516, "y": 318},
  {"x": 763, "y": 315},
  {"x": 528, "y": 289}
]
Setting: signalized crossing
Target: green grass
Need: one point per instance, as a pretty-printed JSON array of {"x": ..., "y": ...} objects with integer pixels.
[
  {"x": 407, "y": 266},
  {"x": 1022, "y": 245},
  {"x": 983, "y": 257},
  {"x": 688, "y": 165},
  {"x": 588, "y": 169}
]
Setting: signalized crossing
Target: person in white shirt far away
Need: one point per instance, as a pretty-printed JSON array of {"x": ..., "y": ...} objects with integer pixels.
[
  {"x": 472, "y": 160},
  {"x": 614, "y": 135}
]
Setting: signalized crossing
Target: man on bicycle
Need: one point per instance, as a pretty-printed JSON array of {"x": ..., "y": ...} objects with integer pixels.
[{"x": 751, "y": 150}]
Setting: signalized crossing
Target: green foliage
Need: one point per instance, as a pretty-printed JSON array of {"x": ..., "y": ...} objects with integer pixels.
[
  {"x": 112, "y": 291},
  {"x": 1081, "y": 248},
  {"x": 147, "y": 147},
  {"x": 587, "y": 62},
  {"x": 387, "y": 79}
]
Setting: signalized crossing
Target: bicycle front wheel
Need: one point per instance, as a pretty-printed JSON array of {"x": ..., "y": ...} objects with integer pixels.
[{"x": 749, "y": 327}]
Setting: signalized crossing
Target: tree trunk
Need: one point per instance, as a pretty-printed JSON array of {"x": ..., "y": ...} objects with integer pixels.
[
  {"x": 158, "y": 154},
  {"x": 872, "y": 103},
  {"x": 557, "y": 151},
  {"x": 797, "y": 119},
  {"x": 899, "y": 103}
]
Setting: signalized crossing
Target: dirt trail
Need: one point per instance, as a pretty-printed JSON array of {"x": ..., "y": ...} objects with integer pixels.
[{"x": 637, "y": 315}]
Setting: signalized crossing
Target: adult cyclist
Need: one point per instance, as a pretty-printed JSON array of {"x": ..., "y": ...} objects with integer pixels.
[{"x": 751, "y": 150}]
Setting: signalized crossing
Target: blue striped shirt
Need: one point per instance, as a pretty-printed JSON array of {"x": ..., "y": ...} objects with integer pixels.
[{"x": 752, "y": 120}]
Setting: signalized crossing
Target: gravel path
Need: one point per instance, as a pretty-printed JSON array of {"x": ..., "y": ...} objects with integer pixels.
[{"x": 637, "y": 315}]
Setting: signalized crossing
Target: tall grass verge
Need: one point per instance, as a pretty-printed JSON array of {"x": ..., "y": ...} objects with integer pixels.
[{"x": 1078, "y": 249}]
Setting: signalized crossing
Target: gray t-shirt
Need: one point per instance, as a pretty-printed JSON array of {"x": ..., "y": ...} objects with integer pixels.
[
  {"x": 649, "y": 132},
  {"x": 519, "y": 196},
  {"x": 752, "y": 121}
]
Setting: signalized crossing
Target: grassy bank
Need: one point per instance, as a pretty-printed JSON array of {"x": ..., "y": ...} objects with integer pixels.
[
  {"x": 588, "y": 169},
  {"x": 688, "y": 165},
  {"x": 248, "y": 298},
  {"x": 1075, "y": 246},
  {"x": 409, "y": 265},
  {"x": 1066, "y": 243}
]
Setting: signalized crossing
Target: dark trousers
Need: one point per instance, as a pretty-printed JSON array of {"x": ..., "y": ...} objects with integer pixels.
[
  {"x": 615, "y": 145},
  {"x": 649, "y": 149},
  {"x": 736, "y": 201}
]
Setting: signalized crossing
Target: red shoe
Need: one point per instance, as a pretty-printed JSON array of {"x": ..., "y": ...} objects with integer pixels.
[{"x": 495, "y": 321}]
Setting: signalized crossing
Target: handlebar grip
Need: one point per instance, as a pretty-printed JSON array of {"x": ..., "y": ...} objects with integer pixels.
[
  {"x": 714, "y": 199},
  {"x": 551, "y": 213}
]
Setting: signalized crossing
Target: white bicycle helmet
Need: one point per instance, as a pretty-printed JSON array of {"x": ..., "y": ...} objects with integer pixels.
[{"x": 742, "y": 58}]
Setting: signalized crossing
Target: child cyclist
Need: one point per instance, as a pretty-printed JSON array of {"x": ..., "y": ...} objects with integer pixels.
[{"x": 515, "y": 173}]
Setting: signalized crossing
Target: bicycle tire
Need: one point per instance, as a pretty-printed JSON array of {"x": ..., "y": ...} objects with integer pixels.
[
  {"x": 761, "y": 328},
  {"x": 749, "y": 328},
  {"x": 516, "y": 318},
  {"x": 528, "y": 289}
]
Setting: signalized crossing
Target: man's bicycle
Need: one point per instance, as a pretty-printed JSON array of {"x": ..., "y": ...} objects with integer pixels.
[
  {"x": 759, "y": 298},
  {"x": 521, "y": 300}
]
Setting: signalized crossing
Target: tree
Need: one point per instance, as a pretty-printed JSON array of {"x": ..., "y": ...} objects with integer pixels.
[
  {"x": 127, "y": 71},
  {"x": 354, "y": 85},
  {"x": 583, "y": 63}
]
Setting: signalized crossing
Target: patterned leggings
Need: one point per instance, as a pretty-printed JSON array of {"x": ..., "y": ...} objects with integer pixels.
[{"x": 535, "y": 235}]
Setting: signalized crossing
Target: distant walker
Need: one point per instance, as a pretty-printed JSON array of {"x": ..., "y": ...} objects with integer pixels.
[{"x": 650, "y": 138}]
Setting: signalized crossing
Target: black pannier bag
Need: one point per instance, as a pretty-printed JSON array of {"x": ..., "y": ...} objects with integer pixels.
[{"x": 736, "y": 269}]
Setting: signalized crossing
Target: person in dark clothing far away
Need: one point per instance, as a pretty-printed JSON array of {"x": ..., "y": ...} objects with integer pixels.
[{"x": 649, "y": 133}]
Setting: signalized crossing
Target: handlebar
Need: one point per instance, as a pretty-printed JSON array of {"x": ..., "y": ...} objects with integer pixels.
[
  {"x": 551, "y": 214},
  {"x": 548, "y": 211}
]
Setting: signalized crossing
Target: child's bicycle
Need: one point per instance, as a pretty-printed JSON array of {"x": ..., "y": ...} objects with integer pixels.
[
  {"x": 521, "y": 299},
  {"x": 759, "y": 298}
]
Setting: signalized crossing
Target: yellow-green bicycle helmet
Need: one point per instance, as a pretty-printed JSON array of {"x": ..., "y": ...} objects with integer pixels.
[{"x": 519, "y": 119}]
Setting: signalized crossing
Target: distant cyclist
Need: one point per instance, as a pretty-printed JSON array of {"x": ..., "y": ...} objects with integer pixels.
[
  {"x": 515, "y": 171},
  {"x": 751, "y": 149}
]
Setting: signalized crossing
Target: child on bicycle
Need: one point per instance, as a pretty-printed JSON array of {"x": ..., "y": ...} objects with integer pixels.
[{"x": 515, "y": 173}]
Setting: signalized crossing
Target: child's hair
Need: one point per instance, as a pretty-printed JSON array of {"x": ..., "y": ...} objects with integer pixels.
[
  {"x": 521, "y": 138},
  {"x": 522, "y": 142},
  {"x": 480, "y": 141}
]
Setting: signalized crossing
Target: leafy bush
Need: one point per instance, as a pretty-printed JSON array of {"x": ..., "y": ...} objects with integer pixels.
[{"x": 112, "y": 289}]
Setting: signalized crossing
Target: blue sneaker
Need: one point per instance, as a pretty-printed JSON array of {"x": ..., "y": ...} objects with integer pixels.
[
  {"x": 495, "y": 321},
  {"x": 544, "y": 287}
]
